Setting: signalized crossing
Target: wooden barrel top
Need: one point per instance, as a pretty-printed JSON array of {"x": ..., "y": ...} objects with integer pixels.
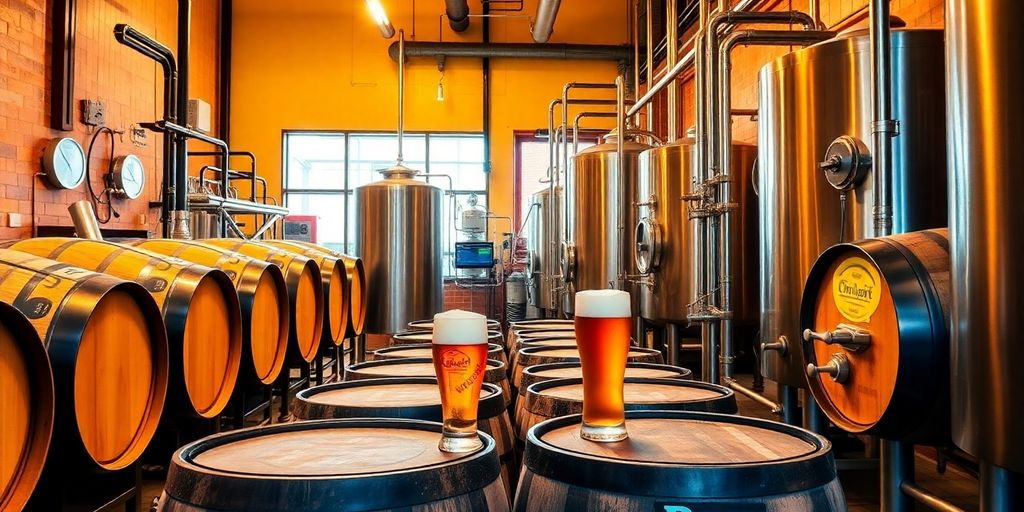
[
  {"x": 114, "y": 378},
  {"x": 572, "y": 353},
  {"x": 404, "y": 368},
  {"x": 308, "y": 314},
  {"x": 424, "y": 350},
  {"x": 428, "y": 325},
  {"x": 428, "y": 336},
  {"x": 577, "y": 372},
  {"x": 546, "y": 324},
  {"x": 532, "y": 334},
  {"x": 686, "y": 441},
  {"x": 268, "y": 331},
  {"x": 211, "y": 350},
  {"x": 337, "y": 309},
  {"x": 559, "y": 342},
  {"x": 641, "y": 393},
  {"x": 328, "y": 452},
  {"x": 16, "y": 397},
  {"x": 385, "y": 395},
  {"x": 356, "y": 295}
]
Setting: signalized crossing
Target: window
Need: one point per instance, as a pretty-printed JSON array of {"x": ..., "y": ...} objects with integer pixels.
[
  {"x": 532, "y": 159},
  {"x": 323, "y": 169}
]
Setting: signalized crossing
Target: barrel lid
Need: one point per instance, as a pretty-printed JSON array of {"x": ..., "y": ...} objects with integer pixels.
[
  {"x": 545, "y": 333},
  {"x": 428, "y": 325},
  {"x": 573, "y": 369},
  {"x": 684, "y": 454},
  {"x": 409, "y": 367},
  {"x": 424, "y": 336},
  {"x": 410, "y": 397},
  {"x": 541, "y": 323},
  {"x": 548, "y": 342},
  {"x": 574, "y": 353},
  {"x": 561, "y": 397},
  {"x": 420, "y": 350},
  {"x": 350, "y": 464}
]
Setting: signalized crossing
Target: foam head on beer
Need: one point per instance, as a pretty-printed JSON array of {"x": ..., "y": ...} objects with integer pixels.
[
  {"x": 458, "y": 327},
  {"x": 602, "y": 304}
]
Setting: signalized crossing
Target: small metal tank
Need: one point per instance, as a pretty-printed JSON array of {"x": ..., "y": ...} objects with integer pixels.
[
  {"x": 398, "y": 236},
  {"x": 808, "y": 100},
  {"x": 665, "y": 252},
  {"x": 539, "y": 235},
  {"x": 598, "y": 191}
]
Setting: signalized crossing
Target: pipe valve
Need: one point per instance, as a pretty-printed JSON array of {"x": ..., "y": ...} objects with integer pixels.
[
  {"x": 780, "y": 345},
  {"x": 849, "y": 337},
  {"x": 838, "y": 367}
]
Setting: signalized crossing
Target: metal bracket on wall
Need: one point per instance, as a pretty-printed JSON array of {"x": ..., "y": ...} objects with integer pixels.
[{"x": 62, "y": 65}]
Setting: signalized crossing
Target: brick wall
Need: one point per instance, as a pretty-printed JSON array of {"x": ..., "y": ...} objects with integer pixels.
[
  {"x": 125, "y": 80},
  {"x": 486, "y": 301}
]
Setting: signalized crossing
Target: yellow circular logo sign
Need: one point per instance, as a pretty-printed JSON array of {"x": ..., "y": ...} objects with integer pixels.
[{"x": 855, "y": 289}]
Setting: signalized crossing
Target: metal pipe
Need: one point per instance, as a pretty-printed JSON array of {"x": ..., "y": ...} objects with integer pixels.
[
  {"x": 1001, "y": 489},
  {"x": 565, "y": 113},
  {"x": 672, "y": 54},
  {"x": 84, "y": 219},
  {"x": 181, "y": 148},
  {"x": 458, "y": 14},
  {"x": 814, "y": 10},
  {"x": 685, "y": 61},
  {"x": 620, "y": 140},
  {"x": 401, "y": 92},
  {"x": 883, "y": 127},
  {"x": 920, "y": 495},
  {"x": 615, "y": 53},
  {"x": 789, "y": 397},
  {"x": 723, "y": 99},
  {"x": 814, "y": 417},
  {"x": 672, "y": 344},
  {"x": 576, "y": 126},
  {"x": 709, "y": 362},
  {"x": 776, "y": 408},
  {"x": 544, "y": 22},
  {"x": 650, "y": 64},
  {"x": 897, "y": 466}
]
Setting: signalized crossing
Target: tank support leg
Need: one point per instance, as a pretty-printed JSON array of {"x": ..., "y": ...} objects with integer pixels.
[
  {"x": 789, "y": 396},
  {"x": 672, "y": 344},
  {"x": 814, "y": 417},
  {"x": 1001, "y": 489},
  {"x": 897, "y": 461}
]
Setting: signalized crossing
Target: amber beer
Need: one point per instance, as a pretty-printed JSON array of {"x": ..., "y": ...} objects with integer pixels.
[
  {"x": 602, "y": 336},
  {"x": 460, "y": 361}
]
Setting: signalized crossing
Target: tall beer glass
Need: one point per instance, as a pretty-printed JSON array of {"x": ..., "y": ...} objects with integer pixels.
[
  {"x": 460, "y": 361},
  {"x": 602, "y": 335}
]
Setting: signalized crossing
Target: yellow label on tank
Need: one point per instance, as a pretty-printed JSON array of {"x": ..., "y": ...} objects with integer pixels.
[{"x": 855, "y": 289}]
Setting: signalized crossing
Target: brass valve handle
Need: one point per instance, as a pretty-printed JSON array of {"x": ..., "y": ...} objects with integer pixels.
[{"x": 838, "y": 367}]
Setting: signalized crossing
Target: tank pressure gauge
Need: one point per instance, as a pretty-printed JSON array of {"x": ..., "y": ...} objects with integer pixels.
[
  {"x": 128, "y": 176},
  {"x": 64, "y": 163},
  {"x": 847, "y": 161}
]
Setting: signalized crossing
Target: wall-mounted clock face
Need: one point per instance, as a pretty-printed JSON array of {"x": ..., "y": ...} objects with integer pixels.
[
  {"x": 129, "y": 176},
  {"x": 64, "y": 163}
]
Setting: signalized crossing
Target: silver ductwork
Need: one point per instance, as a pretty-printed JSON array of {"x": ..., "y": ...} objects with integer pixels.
[
  {"x": 458, "y": 14},
  {"x": 544, "y": 23},
  {"x": 617, "y": 53}
]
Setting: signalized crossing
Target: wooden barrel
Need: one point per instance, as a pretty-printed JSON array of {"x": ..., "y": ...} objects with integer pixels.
[
  {"x": 530, "y": 356},
  {"x": 262, "y": 295},
  {"x": 877, "y": 316},
  {"x": 26, "y": 399},
  {"x": 415, "y": 398},
  {"x": 423, "y": 367},
  {"x": 334, "y": 278},
  {"x": 305, "y": 292},
  {"x": 680, "y": 461},
  {"x": 327, "y": 465},
  {"x": 494, "y": 351},
  {"x": 356, "y": 275},
  {"x": 550, "y": 341},
  {"x": 546, "y": 372},
  {"x": 514, "y": 331},
  {"x": 563, "y": 397},
  {"x": 428, "y": 325},
  {"x": 108, "y": 350},
  {"x": 200, "y": 310},
  {"x": 420, "y": 337}
]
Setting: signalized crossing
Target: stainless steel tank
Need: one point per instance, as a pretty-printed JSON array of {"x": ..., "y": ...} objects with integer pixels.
[
  {"x": 398, "y": 236},
  {"x": 599, "y": 190},
  {"x": 808, "y": 99},
  {"x": 539, "y": 235},
  {"x": 664, "y": 249},
  {"x": 986, "y": 67}
]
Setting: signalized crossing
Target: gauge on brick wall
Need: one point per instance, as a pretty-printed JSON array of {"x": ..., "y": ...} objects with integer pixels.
[
  {"x": 64, "y": 163},
  {"x": 129, "y": 176}
]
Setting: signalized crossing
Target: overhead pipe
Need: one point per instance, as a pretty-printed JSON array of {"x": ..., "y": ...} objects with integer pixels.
[
  {"x": 576, "y": 125},
  {"x": 458, "y": 14},
  {"x": 179, "y": 217},
  {"x": 615, "y": 53},
  {"x": 544, "y": 21},
  {"x": 565, "y": 112}
]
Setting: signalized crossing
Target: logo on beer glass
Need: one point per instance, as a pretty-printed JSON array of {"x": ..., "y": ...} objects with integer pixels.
[{"x": 454, "y": 360}]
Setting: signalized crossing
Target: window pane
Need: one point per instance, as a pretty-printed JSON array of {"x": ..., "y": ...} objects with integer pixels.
[
  {"x": 461, "y": 157},
  {"x": 369, "y": 153},
  {"x": 315, "y": 161},
  {"x": 329, "y": 212}
]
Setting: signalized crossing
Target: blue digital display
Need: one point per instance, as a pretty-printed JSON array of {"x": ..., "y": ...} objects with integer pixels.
[{"x": 474, "y": 254}]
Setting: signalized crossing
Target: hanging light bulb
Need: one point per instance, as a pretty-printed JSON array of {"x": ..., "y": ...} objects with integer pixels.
[{"x": 440, "y": 88}]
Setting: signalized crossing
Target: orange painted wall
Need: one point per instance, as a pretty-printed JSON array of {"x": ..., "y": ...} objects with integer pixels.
[
  {"x": 104, "y": 70},
  {"x": 323, "y": 65}
]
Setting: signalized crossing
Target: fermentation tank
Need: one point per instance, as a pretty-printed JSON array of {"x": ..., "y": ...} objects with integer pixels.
[
  {"x": 665, "y": 252},
  {"x": 398, "y": 236},
  {"x": 539, "y": 235},
  {"x": 601, "y": 218},
  {"x": 808, "y": 100}
]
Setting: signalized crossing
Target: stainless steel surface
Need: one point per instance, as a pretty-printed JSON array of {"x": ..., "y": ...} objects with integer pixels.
[
  {"x": 666, "y": 173},
  {"x": 398, "y": 236},
  {"x": 883, "y": 128},
  {"x": 401, "y": 93},
  {"x": 544, "y": 22},
  {"x": 838, "y": 367},
  {"x": 922, "y": 496},
  {"x": 985, "y": 55},
  {"x": 179, "y": 225},
  {"x": 1001, "y": 489},
  {"x": 84, "y": 219},
  {"x": 598, "y": 191},
  {"x": 807, "y": 99},
  {"x": 539, "y": 230},
  {"x": 896, "y": 462}
]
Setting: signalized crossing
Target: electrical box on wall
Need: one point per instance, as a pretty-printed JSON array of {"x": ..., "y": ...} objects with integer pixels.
[{"x": 199, "y": 115}]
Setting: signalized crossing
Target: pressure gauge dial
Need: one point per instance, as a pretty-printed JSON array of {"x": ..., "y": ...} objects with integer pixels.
[
  {"x": 64, "y": 163},
  {"x": 129, "y": 176}
]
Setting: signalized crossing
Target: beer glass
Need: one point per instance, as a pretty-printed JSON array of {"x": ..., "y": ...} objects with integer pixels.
[
  {"x": 460, "y": 361},
  {"x": 602, "y": 336}
]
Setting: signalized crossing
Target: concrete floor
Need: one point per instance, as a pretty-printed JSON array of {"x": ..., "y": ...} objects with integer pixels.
[{"x": 861, "y": 485}]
